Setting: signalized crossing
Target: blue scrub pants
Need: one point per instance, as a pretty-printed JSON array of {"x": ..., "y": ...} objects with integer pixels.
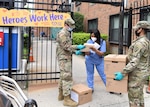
[{"x": 90, "y": 72}]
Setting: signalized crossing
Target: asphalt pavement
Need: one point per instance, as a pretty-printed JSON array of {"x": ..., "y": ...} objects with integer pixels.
[{"x": 46, "y": 94}]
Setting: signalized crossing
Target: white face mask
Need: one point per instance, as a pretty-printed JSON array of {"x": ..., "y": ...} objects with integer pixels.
[
  {"x": 93, "y": 39},
  {"x": 70, "y": 29}
]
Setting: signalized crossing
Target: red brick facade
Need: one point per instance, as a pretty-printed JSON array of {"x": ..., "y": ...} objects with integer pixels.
[
  {"x": 100, "y": 11},
  {"x": 103, "y": 13}
]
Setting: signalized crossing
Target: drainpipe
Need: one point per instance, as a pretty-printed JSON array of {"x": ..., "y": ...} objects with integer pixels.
[
  {"x": 121, "y": 26},
  {"x": 129, "y": 27},
  {"x": 10, "y": 45}
]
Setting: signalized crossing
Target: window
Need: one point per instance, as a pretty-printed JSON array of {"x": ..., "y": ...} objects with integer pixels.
[
  {"x": 78, "y": 9},
  {"x": 77, "y": 3},
  {"x": 92, "y": 24},
  {"x": 148, "y": 19},
  {"x": 145, "y": 15},
  {"x": 91, "y": 4},
  {"x": 114, "y": 29},
  {"x": 5, "y": 3}
]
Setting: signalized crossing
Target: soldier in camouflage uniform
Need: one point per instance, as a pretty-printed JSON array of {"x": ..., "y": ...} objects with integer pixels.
[
  {"x": 64, "y": 55},
  {"x": 138, "y": 65}
]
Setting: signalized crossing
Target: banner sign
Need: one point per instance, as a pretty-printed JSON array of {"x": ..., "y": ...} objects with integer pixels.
[{"x": 36, "y": 19}]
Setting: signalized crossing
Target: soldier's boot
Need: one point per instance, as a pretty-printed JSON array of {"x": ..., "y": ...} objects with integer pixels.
[
  {"x": 132, "y": 105},
  {"x": 69, "y": 102},
  {"x": 60, "y": 96}
]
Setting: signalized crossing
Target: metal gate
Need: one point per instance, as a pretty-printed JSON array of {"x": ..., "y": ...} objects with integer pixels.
[
  {"x": 28, "y": 54},
  {"x": 137, "y": 10},
  {"x": 38, "y": 45}
]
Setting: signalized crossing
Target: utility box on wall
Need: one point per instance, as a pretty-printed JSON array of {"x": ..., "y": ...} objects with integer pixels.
[
  {"x": 1, "y": 38},
  {"x": 10, "y": 49},
  {"x": 115, "y": 63},
  {"x": 15, "y": 49}
]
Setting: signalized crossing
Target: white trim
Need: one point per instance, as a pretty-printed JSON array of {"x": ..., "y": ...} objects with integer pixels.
[
  {"x": 125, "y": 3},
  {"x": 4, "y": 29},
  {"x": 19, "y": 49},
  {"x": 7, "y": 69},
  {"x": 18, "y": 4},
  {"x": 15, "y": 29}
]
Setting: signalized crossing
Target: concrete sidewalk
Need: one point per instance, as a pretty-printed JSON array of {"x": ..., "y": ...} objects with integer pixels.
[{"x": 46, "y": 95}]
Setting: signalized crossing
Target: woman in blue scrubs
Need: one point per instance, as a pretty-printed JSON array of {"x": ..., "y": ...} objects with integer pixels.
[{"x": 95, "y": 58}]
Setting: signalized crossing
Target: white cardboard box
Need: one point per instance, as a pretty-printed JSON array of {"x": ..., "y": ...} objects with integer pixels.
[{"x": 81, "y": 94}]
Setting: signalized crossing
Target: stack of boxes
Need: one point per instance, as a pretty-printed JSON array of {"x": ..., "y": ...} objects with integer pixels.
[{"x": 115, "y": 63}]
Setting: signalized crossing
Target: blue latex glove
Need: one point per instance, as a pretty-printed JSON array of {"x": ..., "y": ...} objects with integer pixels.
[
  {"x": 78, "y": 52},
  {"x": 118, "y": 76},
  {"x": 80, "y": 46}
]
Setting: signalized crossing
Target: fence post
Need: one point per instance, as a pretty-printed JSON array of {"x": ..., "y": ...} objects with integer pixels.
[
  {"x": 121, "y": 26},
  {"x": 129, "y": 27},
  {"x": 10, "y": 45}
]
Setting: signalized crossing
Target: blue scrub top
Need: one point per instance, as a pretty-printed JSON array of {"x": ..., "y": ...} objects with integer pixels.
[{"x": 93, "y": 57}]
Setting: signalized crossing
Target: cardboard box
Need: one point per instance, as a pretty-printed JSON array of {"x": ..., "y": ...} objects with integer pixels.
[
  {"x": 116, "y": 86},
  {"x": 114, "y": 63},
  {"x": 81, "y": 94}
]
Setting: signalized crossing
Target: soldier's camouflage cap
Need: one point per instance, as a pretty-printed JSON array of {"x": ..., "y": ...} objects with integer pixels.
[
  {"x": 142, "y": 24},
  {"x": 70, "y": 22}
]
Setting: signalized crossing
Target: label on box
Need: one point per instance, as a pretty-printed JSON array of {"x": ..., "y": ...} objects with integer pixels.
[{"x": 74, "y": 96}]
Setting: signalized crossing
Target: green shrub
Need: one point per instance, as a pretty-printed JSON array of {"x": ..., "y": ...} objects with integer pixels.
[
  {"x": 104, "y": 36},
  {"x": 25, "y": 45},
  {"x": 78, "y": 18},
  {"x": 81, "y": 38}
]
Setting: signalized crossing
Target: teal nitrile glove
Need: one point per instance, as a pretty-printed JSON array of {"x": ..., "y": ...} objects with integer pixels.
[
  {"x": 78, "y": 52},
  {"x": 80, "y": 46},
  {"x": 118, "y": 76}
]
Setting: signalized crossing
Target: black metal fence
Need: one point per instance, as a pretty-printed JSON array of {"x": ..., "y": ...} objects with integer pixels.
[
  {"x": 137, "y": 10},
  {"x": 28, "y": 53},
  {"x": 34, "y": 58}
]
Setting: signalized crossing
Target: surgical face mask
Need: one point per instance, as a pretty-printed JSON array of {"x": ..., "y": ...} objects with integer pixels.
[
  {"x": 93, "y": 39},
  {"x": 137, "y": 33},
  {"x": 70, "y": 29}
]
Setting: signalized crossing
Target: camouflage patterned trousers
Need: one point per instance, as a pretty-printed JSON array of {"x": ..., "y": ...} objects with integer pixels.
[
  {"x": 65, "y": 82},
  {"x": 136, "y": 96}
]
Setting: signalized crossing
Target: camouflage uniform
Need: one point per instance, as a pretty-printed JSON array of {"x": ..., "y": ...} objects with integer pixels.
[
  {"x": 137, "y": 69},
  {"x": 64, "y": 55}
]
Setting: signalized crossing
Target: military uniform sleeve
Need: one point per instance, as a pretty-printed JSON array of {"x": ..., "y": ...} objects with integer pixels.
[
  {"x": 136, "y": 55},
  {"x": 65, "y": 42}
]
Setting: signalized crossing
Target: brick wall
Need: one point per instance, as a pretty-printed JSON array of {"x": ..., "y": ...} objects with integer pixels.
[
  {"x": 103, "y": 12},
  {"x": 100, "y": 11}
]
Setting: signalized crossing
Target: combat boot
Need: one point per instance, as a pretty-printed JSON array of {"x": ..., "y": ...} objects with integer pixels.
[
  {"x": 60, "y": 96},
  {"x": 69, "y": 102},
  {"x": 133, "y": 105}
]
